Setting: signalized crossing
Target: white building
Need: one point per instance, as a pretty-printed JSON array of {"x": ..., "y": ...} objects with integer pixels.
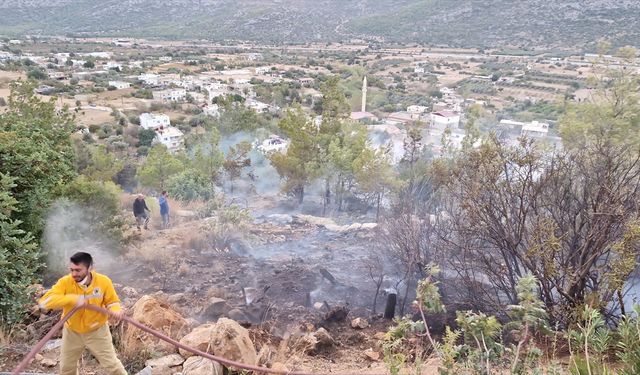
[
  {"x": 154, "y": 121},
  {"x": 535, "y": 129},
  {"x": 272, "y": 144},
  {"x": 165, "y": 58},
  {"x": 149, "y": 79},
  {"x": 120, "y": 85},
  {"x": 174, "y": 95},
  {"x": 171, "y": 137},
  {"x": 445, "y": 119},
  {"x": 416, "y": 109},
  {"x": 263, "y": 70},
  {"x": 257, "y": 106}
]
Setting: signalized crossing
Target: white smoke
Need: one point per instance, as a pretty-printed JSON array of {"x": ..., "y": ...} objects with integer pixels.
[{"x": 68, "y": 230}]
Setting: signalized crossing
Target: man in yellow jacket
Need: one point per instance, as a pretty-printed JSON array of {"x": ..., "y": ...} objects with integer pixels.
[{"x": 86, "y": 328}]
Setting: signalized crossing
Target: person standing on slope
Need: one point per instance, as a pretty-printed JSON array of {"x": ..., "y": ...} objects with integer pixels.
[
  {"x": 141, "y": 211},
  {"x": 86, "y": 328},
  {"x": 164, "y": 208}
]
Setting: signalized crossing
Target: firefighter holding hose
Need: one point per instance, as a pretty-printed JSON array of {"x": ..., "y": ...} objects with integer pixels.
[{"x": 86, "y": 328}]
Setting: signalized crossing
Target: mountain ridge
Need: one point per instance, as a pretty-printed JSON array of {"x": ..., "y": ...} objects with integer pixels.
[{"x": 478, "y": 23}]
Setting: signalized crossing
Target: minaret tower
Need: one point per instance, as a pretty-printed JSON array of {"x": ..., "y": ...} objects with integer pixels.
[{"x": 364, "y": 94}]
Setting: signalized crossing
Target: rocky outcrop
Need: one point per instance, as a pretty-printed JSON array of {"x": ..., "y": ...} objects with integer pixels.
[
  {"x": 201, "y": 366},
  {"x": 359, "y": 323},
  {"x": 216, "y": 308},
  {"x": 331, "y": 225},
  {"x": 159, "y": 316},
  {"x": 225, "y": 338}
]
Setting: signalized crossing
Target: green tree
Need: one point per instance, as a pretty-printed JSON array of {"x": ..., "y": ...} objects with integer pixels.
[
  {"x": 158, "y": 167},
  {"x": 100, "y": 202},
  {"x": 37, "y": 152},
  {"x": 190, "y": 185},
  {"x": 206, "y": 157},
  {"x": 104, "y": 165},
  {"x": 302, "y": 162},
  {"x": 19, "y": 258},
  {"x": 36, "y": 74},
  {"x": 146, "y": 137},
  {"x": 236, "y": 160},
  {"x": 375, "y": 175},
  {"x": 334, "y": 102},
  {"x": 235, "y": 117}
]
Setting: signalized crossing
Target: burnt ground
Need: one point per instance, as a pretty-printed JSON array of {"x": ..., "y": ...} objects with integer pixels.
[{"x": 289, "y": 268}]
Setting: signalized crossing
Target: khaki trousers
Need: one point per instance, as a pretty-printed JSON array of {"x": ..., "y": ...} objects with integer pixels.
[{"x": 99, "y": 343}]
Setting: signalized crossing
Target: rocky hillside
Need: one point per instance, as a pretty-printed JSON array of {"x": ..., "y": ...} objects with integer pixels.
[{"x": 565, "y": 23}]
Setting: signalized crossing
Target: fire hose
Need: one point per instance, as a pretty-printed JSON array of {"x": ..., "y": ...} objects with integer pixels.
[{"x": 227, "y": 362}]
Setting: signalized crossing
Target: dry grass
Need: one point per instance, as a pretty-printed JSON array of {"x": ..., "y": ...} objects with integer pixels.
[{"x": 133, "y": 359}]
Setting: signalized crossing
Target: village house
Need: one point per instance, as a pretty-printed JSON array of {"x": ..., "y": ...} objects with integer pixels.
[
  {"x": 397, "y": 118},
  {"x": 149, "y": 79},
  {"x": 363, "y": 116},
  {"x": 171, "y": 137},
  {"x": 535, "y": 129},
  {"x": 154, "y": 121},
  {"x": 119, "y": 85},
  {"x": 416, "y": 111},
  {"x": 56, "y": 75},
  {"x": 444, "y": 120},
  {"x": 173, "y": 95},
  {"x": 262, "y": 70}
]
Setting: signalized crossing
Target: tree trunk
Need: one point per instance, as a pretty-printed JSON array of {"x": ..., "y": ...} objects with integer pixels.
[{"x": 390, "y": 309}]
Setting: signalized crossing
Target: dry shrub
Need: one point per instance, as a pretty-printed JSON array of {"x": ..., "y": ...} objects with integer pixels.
[{"x": 133, "y": 359}]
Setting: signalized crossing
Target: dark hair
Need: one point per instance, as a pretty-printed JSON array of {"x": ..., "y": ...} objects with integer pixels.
[
  {"x": 82, "y": 258},
  {"x": 164, "y": 192}
]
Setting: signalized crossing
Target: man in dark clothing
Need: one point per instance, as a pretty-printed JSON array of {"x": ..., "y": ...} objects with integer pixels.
[{"x": 140, "y": 211}]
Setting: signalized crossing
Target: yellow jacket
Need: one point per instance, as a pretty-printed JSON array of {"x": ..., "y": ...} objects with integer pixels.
[{"x": 65, "y": 294}]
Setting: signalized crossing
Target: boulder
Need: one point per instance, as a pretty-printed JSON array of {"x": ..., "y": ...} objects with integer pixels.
[
  {"x": 372, "y": 354},
  {"x": 201, "y": 366},
  {"x": 225, "y": 338},
  {"x": 323, "y": 337},
  {"x": 237, "y": 315},
  {"x": 164, "y": 364},
  {"x": 359, "y": 323},
  {"x": 216, "y": 308},
  {"x": 48, "y": 362},
  {"x": 318, "y": 305},
  {"x": 159, "y": 316}
]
